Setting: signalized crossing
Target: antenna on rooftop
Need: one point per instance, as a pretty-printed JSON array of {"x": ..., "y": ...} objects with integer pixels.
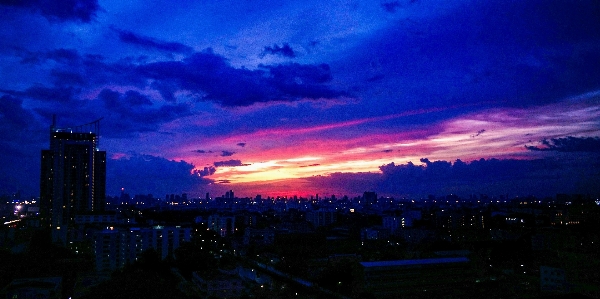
[{"x": 91, "y": 127}]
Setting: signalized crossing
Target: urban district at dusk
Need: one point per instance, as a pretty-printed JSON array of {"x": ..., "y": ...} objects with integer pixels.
[{"x": 285, "y": 149}]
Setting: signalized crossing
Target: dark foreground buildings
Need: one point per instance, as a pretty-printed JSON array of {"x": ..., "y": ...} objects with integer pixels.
[{"x": 73, "y": 177}]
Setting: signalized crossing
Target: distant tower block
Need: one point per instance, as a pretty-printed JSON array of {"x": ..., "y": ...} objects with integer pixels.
[{"x": 370, "y": 198}]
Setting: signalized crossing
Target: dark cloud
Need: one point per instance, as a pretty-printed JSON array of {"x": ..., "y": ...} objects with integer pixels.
[
  {"x": 210, "y": 170},
  {"x": 297, "y": 81},
  {"x": 61, "y": 94},
  {"x": 535, "y": 54},
  {"x": 477, "y": 134},
  {"x": 22, "y": 138},
  {"x": 376, "y": 78},
  {"x": 241, "y": 144},
  {"x": 229, "y": 163},
  {"x": 63, "y": 78},
  {"x": 284, "y": 50},
  {"x": 288, "y": 74},
  {"x": 166, "y": 89},
  {"x": 59, "y": 10},
  {"x": 151, "y": 43},
  {"x": 387, "y": 151},
  {"x": 205, "y": 75},
  {"x": 494, "y": 177},
  {"x": 353, "y": 183},
  {"x": 70, "y": 69},
  {"x": 569, "y": 144},
  {"x": 68, "y": 56},
  {"x": 12, "y": 112},
  {"x": 125, "y": 114},
  {"x": 541, "y": 177},
  {"x": 391, "y": 6},
  {"x": 203, "y": 152},
  {"x": 311, "y": 165},
  {"x": 134, "y": 112},
  {"x": 135, "y": 99},
  {"x": 227, "y": 153},
  {"x": 63, "y": 55},
  {"x": 16, "y": 122},
  {"x": 144, "y": 174},
  {"x": 210, "y": 75}
]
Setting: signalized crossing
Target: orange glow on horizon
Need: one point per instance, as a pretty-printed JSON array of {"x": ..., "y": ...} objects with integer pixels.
[{"x": 276, "y": 154}]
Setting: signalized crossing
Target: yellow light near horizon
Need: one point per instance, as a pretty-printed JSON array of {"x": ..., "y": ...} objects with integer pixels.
[
  {"x": 358, "y": 150},
  {"x": 277, "y": 171},
  {"x": 303, "y": 159},
  {"x": 452, "y": 138},
  {"x": 256, "y": 166}
]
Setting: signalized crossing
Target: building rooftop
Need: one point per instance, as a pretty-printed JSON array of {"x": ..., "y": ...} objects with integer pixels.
[{"x": 400, "y": 263}]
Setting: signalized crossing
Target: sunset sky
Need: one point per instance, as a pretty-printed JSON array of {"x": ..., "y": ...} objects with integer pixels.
[{"x": 404, "y": 98}]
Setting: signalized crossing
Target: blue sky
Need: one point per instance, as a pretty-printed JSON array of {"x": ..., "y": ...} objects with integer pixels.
[{"x": 307, "y": 97}]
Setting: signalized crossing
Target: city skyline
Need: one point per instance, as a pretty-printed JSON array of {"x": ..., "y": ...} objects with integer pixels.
[{"x": 404, "y": 98}]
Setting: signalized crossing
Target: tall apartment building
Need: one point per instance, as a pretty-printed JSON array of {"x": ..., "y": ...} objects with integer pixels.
[{"x": 73, "y": 177}]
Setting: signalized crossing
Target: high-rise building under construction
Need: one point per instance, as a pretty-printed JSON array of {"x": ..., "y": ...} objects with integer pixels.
[{"x": 73, "y": 177}]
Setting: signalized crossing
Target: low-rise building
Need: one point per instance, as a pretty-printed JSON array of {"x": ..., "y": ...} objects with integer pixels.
[
  {"x": 35, "y": 288},
  {"x": 435, "y": 276},
  {"x": 222, "y": 285},
  {"x": 117, "y": 247}
]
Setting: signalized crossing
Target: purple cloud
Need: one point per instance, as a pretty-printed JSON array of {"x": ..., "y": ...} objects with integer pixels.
[
  {"x": 143, "y": 174},
  {"x": 61, "y": 94},
  {"x": 494, "y": 177},
  {"x": 284, "y": 50},
  {"x": 131, "y": 112},
  {"x": 210, "y": 170},
  {"x": 391, "y": 6},
  {"x": 210, "y": 75},
  {"x": 206, "y": 75},
  {"x": 203, "y": 151},
  {"x": 151, "y": 43},
  {"x": 311, "y": 165},
  {"x": 569, "y": 144},
  {"x": 229, "y": 163},
  {"x": 477, "y": 134},
  {"x": 227, "y": 153},
  {"x": 491, "y": 176}
]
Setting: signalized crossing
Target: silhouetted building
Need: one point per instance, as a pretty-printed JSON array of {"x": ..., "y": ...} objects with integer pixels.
[
  {"x": 35, "y": 288},
  {"x": 223, "y": 225},
  {"x": 222, "y": 285},
  {"x": 553, "y": 279},
  {"x": 370, "y": 198},
  {"x": 321, "y": 217},
  {"x": 434, "y": 277},
  {"x": 116, "y": 247},
  {"x": 73, "y": 177}
]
